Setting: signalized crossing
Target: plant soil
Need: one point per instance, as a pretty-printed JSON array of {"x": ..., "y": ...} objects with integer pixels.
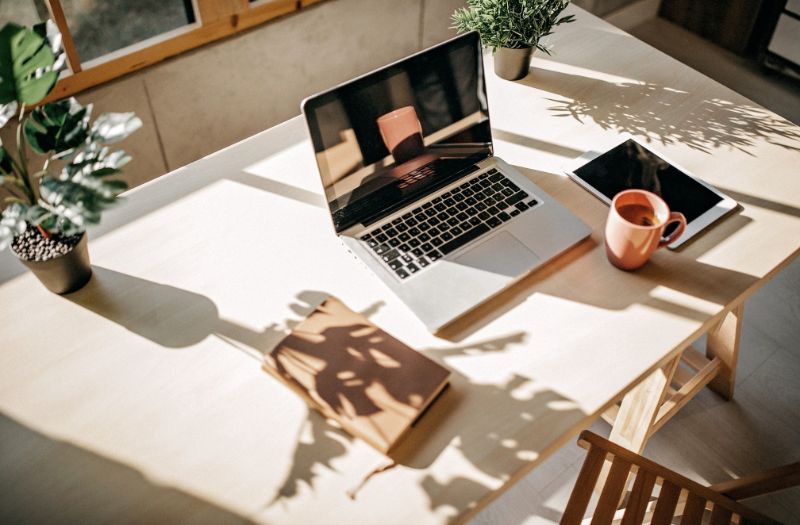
[{"x": 33, "y": 246}]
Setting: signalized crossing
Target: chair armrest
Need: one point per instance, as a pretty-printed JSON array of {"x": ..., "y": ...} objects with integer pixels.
[{"x": 759, "y": 483}]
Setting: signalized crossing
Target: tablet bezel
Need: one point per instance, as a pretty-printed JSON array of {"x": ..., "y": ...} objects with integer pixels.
[{"x": 722, "y": 208}]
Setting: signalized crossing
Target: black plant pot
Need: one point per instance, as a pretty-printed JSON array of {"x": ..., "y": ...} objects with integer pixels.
[
  {"x": 65, "y": 273},
  {"x": 512, "y": 64}
]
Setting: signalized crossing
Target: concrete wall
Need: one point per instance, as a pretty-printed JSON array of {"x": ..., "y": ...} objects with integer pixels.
[
  {"x": 204, "y": 100},
  {"x": 602, "y": 7}
]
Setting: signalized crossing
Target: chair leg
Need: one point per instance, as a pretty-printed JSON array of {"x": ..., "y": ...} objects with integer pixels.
[{"x": 723, "y": 342}]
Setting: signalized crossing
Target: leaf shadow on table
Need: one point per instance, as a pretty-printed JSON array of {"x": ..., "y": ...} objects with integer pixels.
[
  {"x": 177, "y": 318},
  {"x": 450, "y": 426},
  {"x": 47, "y": 480},
  {"x": 662, "y": 114},
  {"x": 527, "y": 414},
  {"x": 173, "y": 317}
]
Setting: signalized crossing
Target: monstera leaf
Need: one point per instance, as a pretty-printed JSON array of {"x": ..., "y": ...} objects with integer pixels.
[
  {"x": 76, "y": 197},
  {"x": 96, "y": 161},
  {"x": 109, "y": 128},
  {"x": 58, "y": 127},
  {"x": 49, "y": 31},
  {"x": 71, "y": 206},
  {"x": 6, "y": 168},
  {"x": 7, "y": 111},
  {"x": 12, "y": 223},
  {"x": 26, "y": 65}
]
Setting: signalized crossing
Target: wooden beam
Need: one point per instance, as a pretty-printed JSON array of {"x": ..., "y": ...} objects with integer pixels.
[
  {"x": 60, "y": 19},
  {"x": 213, "y": 10},
  {"x": 723, "y": 342},
  {"x": 672, "y": 405},
  {"x": 694, "y": 359},
  {"x": 631, "y": 428},
  {"x": 640, "y": 407},
  {"x": 760, "y": 483},
  {"x": 610, "y": 414},
  {"x": 682, "y": 376}
]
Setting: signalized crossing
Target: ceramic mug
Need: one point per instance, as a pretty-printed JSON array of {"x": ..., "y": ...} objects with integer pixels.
[
  {"x": 402, "y": 133},
  {"x": 635, "y": 228}
]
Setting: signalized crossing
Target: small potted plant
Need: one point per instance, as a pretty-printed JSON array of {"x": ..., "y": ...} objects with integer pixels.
[
  {"x": 53, "y": 196},
  {"x": 512, "y": 29}
]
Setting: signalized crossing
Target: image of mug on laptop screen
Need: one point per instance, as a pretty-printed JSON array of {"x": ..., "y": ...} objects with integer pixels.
[
  {"x": 402, "y": 134},
  {"x": 405, "y": 155}
]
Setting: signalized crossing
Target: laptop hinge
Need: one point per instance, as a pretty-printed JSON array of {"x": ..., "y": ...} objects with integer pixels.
[{"x": 352, "y": 231}]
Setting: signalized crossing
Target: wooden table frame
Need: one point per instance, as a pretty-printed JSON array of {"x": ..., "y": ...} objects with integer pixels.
[{"x": 655, "y": 400}]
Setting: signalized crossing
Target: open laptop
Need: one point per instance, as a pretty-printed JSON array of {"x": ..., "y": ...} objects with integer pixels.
[{"x": 406, "y": 160}]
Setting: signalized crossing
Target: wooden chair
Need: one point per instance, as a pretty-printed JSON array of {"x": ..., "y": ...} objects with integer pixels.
[{"x": 678, "y": 495}]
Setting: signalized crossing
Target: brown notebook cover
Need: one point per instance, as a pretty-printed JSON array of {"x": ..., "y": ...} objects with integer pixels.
[{"x": 353, "y": 372}]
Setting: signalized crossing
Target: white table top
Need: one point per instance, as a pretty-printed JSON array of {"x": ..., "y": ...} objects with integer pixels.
[{"x": 147, "y": 383}]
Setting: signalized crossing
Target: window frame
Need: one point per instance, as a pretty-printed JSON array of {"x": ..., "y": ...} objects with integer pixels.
[{"x": 214, "y": 20}]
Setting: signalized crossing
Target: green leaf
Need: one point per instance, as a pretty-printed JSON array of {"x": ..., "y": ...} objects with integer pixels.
[
  {"x": 7, "y": 111},
  {"x": 105, "y": 172},
  {"x": 58, "y": 126},
  {"x": 26, "y": 66},
  {"x": 113, "y": 127},
  {"x": 6, "y": 166},
  {"x": 12, "y": 223},
  {"x": 116, "y": 186},
  {"x": 511, "y": 23}
]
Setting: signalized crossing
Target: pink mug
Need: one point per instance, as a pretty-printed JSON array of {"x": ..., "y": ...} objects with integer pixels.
[{"x": 635, "y": 228}]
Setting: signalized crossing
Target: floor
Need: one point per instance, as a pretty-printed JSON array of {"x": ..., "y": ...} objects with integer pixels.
[{"x": 710, "y": 440}]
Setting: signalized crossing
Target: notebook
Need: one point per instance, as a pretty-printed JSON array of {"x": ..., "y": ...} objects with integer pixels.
[{"x": 356, "y": 374}]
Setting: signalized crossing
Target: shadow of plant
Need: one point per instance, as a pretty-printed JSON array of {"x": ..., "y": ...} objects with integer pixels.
[
  {"x": 319, "y": 443},
  {"x": 181, "y": 319},
  {"x": 662, "y": 114},
  {"x": 48, "y": 480}
]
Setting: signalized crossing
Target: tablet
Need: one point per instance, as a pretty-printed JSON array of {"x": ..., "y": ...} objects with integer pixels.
[{"x": 631, "y": 165}]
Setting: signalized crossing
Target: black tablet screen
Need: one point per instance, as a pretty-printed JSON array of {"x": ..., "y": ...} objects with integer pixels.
[{"x": 631, "y": 165}]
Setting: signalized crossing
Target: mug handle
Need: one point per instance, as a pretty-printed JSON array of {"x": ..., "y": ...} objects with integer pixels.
[{"x": 678, "y": 217}]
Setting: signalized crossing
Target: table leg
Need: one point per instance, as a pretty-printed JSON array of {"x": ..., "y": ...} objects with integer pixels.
[
  {"x": 637, "y": 413},
  {"x": 723, "y": 342},
  {"x": 639, "y": 408}
]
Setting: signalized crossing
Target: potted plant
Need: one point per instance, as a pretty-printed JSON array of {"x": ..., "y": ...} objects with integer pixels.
[
  {"x": 512, "y": 29},
  {"x": 53, "y": 196}
]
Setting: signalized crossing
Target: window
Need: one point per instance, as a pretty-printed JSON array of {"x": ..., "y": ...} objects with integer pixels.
[
  {"x": 105, "y": 39},
  {"x": 99, "y": 27}
]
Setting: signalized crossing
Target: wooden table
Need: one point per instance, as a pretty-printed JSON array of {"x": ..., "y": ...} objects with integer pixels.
[{"x": 143, "y": 395}]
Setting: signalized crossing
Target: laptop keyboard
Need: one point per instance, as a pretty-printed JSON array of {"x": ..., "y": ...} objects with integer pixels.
[{"x": 410, "y": 243}]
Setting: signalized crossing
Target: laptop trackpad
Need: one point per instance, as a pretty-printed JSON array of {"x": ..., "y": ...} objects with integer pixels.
[{"x": 502, "y": 254}]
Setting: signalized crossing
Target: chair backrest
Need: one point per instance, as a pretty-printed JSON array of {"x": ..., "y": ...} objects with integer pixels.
[{"x": 678, "y": 495}]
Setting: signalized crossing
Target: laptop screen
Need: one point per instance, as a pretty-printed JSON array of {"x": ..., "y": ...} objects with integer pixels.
[{"x": 388, "y": 138}]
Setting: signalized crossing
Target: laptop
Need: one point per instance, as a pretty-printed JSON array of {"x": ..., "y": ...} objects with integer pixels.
[{"x": 415, "y": 192}]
